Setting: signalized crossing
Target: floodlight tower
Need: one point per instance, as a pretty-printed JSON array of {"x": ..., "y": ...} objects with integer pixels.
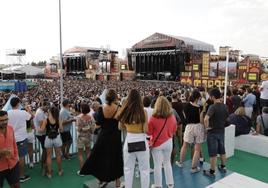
[{"x": 16, "y": 56}]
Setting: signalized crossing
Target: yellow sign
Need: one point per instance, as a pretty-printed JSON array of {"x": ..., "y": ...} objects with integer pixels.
[
  {"x": 197, "y": 82},
  {"x": 123, "y": 67},
  {"x": 195, "y": 67},
  {"x": 252, "y": 76},
  {"x": 210, "y": 83},
  {"x": 205, "y": 83},
  {"x": 205, "y": 64}
]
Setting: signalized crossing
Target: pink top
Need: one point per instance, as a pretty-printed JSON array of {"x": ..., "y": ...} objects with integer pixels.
[
  {"x": 155, "y": 125},
  {"x": 8, "y": 142}
]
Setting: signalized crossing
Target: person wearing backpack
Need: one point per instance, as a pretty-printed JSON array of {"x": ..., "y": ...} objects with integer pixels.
[
  {"x": 53, "y": 127},
  {"x": 262, "y": 122}
]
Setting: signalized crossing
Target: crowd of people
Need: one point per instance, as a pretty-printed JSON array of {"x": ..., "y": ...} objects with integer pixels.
[{"x": 122, "y": 124}]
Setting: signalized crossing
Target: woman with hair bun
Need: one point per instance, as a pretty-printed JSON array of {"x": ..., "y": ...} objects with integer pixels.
[
  {"x": 194, "y": 131},
  {"x": 106, "y": 159}
]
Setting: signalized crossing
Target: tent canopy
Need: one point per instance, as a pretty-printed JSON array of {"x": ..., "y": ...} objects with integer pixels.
[{"x": 28, "y": 69}]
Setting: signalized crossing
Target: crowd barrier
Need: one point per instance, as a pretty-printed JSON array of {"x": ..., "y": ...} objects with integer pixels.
[
  {"x": 38, "y": 149},
  {"x": 256, "y": 144}
]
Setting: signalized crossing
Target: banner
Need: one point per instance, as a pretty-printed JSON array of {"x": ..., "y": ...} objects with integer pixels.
[
  {"x": 232, "y": 68},
  {"x": 213, "y": 69}
]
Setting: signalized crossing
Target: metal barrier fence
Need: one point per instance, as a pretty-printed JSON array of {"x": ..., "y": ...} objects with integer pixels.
[{"x": 37, "y": 149}]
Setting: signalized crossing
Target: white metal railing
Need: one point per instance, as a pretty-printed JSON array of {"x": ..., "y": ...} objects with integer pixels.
[{"x": 37, "y": 149}]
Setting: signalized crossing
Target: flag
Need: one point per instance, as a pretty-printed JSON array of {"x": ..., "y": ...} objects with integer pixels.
[
  {"x": 7, "y": 106},
  {"x": 103, "y": 96}
]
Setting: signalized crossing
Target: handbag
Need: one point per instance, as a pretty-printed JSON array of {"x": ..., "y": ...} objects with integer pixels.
[
  {"x": 136, "y": 146},
  {"x": 265, "y": 130},
  {"x": 151, "y": 145}
]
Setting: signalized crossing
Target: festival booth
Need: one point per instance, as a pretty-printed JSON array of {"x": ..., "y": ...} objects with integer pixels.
[{"x": 20, "y": 72}]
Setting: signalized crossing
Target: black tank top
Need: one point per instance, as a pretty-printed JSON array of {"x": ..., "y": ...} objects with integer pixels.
[
  {"x": 192, "y": 114},
  {"x": 52, "y": 127}
]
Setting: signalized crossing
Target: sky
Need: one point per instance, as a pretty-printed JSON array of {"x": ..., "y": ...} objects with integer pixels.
[{"x": 34, "y": 24}]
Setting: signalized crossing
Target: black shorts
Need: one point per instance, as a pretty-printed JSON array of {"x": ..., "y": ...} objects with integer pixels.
[
  {"x": 215, "y": 142},
  {"x": 41, "y": 139},
  {"x": 66, "y": 137},
  {"x": 11, "y": 175}
]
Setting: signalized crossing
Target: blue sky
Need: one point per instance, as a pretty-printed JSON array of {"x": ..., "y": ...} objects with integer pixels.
[{"x": 33, "y": 24}]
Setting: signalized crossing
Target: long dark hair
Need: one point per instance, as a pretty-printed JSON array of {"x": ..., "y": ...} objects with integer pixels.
[
  {"x": 55, "y": 113},
  {"x": 132, "y": 111}
]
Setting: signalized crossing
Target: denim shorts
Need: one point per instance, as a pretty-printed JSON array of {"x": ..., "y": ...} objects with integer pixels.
[
  {"x": 215, "y": 142},
  {"x": 22, "y": 148},
  {"x": 50, "y": 143}
]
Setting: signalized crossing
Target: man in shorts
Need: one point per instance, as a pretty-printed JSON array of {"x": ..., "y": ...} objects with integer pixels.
[
  {"x": 214, "y": 121},
  {"x": 67, "y": 121},
  {"x": 9, "y": 163},
  {"x": 39, "y": 121}
]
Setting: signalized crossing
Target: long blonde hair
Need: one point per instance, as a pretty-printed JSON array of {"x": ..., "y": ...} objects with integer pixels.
[{"x": 162, "y": 108}]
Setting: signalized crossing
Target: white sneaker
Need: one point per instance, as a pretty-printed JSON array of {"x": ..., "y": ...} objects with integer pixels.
[
  {"x": 60, "y": 172},
  {"x": 78, "y": 173},
  {"x": 179, "y": 164},
  {"x": 195, "y": 170},
  {"x": 31, "y": 165}
]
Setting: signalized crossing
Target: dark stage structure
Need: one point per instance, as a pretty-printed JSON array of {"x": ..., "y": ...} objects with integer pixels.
[
  {"x": 164, "y": 57},
  {"x": 75, "y": 65},
  {"x": 79, "y": 61}
]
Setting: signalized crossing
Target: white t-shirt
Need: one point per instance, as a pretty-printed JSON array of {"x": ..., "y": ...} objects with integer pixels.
[
  {"x": 38, "y": 118},
  {"x": 264, "y": 92},
  {"x": 149, "y": 111},
  {"x": 17, "y": 119}
]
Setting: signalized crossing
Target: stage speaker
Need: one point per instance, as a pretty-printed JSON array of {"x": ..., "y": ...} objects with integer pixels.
[
  {"x": 187, "y": 57},
  {"x": 181, "y": 62}
]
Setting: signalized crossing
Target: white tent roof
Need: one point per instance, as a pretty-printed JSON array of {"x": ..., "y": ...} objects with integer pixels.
[{"x": 28, "y": 69}]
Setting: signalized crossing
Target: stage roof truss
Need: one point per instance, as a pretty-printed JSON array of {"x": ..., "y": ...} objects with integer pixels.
[{"x": 156, "y": 52}]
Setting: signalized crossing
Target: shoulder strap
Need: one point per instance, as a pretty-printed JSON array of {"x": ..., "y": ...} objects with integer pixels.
[
  {"x": 160, "y": 132},
  {"x": 115, "y": 111}
]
